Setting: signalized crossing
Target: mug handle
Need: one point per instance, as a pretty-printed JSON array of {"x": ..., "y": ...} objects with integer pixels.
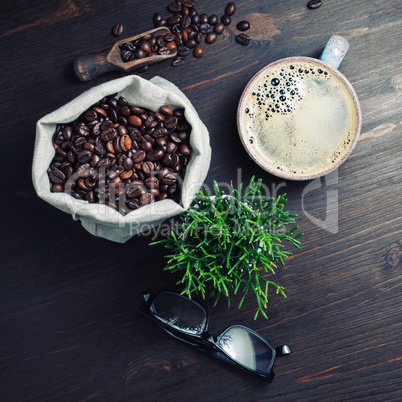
[{"x": 335, "y": 50}]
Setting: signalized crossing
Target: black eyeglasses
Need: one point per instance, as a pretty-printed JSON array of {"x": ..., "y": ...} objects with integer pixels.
[{"x": 187, "y": 320}]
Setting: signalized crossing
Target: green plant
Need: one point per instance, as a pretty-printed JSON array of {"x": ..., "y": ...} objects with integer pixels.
[{"x": 231, "y": 242}]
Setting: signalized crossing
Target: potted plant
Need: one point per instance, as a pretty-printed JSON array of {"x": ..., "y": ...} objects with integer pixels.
[{"x": 231, "y": 243}]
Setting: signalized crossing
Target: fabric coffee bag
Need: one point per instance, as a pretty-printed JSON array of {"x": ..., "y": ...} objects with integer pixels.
[{"x": 101, "y": 220}]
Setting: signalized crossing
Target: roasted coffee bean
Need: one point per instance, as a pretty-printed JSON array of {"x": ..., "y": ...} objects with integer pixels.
[
  {"x": 139, "y": 156},
  {"x": 126, "y": 174},
  {"x": 243, "y": 39},
  {"x": 188, "y": 3},
  {"x": 161, "y": 143},
  {"x": 225, "y": 19},
  {"x": 169, "y": 179},
  {"x": 230, "y": 9},
  {"x": 155, "y": 154},
  {"x": 57, "y": 188},
  {"x": 171, "y": 147},
  {"x": 152, "y": 182},
  {"x": 145, "y": 145},
  {"x": 174, "y": 19},
  {"x": 198, "y": 38},
  {"x": 198, "y": 52},
  {"x": 179, "y": 113},
  {"x": 100, "y": 150},
  {"x": 160, "y": 132},
  {"x": 109, "y": 135},
  {"x": 185, "y": 21},
  {"x": 185, "y": 149},
  {"x": 205, "y": 28},
  {"x": 195, "y": 19},
  {"x": 192, "y": 33},
  {"x": 313, "y": 4},
  {"x": 174, "y": 8},
  {"x": 133, "y": 204},
  {"x": 211, "y": 38},
  {"x": 125, "y": 142},
  {"x": 83, "y": 130},
  {"x": 191, "y": 43},
  {"x": 117, "y": 29},
  {"x": 67, "y": 132},
  {"x": 243, "y": 25},
  {"x": 161, "y": 23},
  {"x": 151, "y": 121},
  {"x": 135, "y": 121},
  {"x": 155, "y": 192},
  {"x": 213, "y": 19},
  {"x": 166, "y": 110},
  {"x": 162, "y": 196},
  {"x": 90, "y": 115},
  {"x": 147, "y": 198},
  {"x": 85, "y": 156},
  {"x": 203, "y": 18},
  {"x": 157, "y": 17},
  {"x": 147, "y": 167},
  {"x": 136, "y": 189},
  {"x": 219, "y": 28},
  {"x": 171, "y": 122},
  {"x": 175, "y": 138},
  {"x": 178, "y": 61},
  {"x": 172, "y": 189},
  {"x": 171, "y": 46},
  {"x": 56, "y": 176},
  {"x": 128, "y": 163}
]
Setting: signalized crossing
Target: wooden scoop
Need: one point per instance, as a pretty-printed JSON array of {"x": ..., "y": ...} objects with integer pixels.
[{"x": 94, "y": 64}]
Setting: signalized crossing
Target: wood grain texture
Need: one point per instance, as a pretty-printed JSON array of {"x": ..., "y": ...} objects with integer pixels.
[{"x": 70, "y": 329}]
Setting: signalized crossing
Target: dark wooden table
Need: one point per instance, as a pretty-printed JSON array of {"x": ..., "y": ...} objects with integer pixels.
[{"x": 70, "y": 329}]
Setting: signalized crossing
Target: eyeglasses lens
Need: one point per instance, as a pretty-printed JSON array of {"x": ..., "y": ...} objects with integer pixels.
[
  {"x": 247, "y": 349},
  {"x": 180, "y": 313}
]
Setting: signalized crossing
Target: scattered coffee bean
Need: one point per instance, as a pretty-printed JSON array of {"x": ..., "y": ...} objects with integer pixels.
[
  {"x": 213, "y": 19},
  {"x": 243, "y": 26},
  {"x": 219, "y": 28},
  {"x": 230, "y": 9},
  {"x": 117, "y": 29},
  {"x": 118, "y": 154},
  {"x": 226, "y": 20},
  {"x": 211, "y": 38},
  {"x": 312, "y": 4},
  {"x": 198, "y": 52},
  {"x": 243, "y": 39}
]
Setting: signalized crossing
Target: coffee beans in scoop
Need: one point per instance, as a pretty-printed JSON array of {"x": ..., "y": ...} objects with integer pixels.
[
  {"x": 149, "y": 45},
  {"x": 121, "y": 155}
]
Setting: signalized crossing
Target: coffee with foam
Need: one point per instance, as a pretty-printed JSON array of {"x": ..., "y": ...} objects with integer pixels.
[{"x": 298, "y": 118}]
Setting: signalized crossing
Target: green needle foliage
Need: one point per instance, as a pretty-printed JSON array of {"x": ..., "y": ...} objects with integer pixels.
[{"x": 231, "y": 243}]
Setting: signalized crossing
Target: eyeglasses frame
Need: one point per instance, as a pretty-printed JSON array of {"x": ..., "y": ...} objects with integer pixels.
[{"x": 207, "y": 343}]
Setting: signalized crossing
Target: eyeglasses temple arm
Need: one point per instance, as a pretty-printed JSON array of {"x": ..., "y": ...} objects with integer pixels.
[
  {"x": 145, "y": 296},
  {"x": 283, "y": 350}
]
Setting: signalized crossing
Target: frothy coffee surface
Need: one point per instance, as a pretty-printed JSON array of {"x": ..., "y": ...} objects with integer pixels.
[{"x": 298, "y": 116}]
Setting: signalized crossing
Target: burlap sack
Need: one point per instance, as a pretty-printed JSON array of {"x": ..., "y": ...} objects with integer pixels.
[{"x": 101, "y": 220}]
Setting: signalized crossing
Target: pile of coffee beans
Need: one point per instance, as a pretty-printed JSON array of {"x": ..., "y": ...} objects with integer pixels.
[
  {"x": 121, "y": 155},
  {"x": 149, "y": 45},
  {"x": 192, "y": 29}
]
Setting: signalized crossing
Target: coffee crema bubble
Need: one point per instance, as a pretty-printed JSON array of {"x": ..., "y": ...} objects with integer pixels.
[{"x": 300, "y": 117}]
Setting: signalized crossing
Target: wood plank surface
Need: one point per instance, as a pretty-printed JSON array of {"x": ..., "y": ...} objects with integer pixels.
[{"x": 70, "y": 329}]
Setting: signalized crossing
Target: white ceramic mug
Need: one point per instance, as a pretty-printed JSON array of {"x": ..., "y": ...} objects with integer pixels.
[{"x": 299, "y": 118}]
